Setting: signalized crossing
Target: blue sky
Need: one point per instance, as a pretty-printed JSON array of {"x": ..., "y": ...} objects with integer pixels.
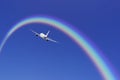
[{"x": 26, "y": 57}]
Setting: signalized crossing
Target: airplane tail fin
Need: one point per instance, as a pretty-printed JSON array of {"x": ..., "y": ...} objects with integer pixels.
[{"x": 47, "y": 33}]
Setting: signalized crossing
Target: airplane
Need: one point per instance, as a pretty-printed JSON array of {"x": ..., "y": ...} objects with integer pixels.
[{"x": 44, "y": 36}]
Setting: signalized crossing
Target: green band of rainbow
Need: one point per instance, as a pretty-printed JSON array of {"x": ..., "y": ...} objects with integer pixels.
[{"x": 90, "y": 51}]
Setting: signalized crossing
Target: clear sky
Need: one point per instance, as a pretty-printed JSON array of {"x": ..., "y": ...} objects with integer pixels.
[{"x": 26, "y": 57}]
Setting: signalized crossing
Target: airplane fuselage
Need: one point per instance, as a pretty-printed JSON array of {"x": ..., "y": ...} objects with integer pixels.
[{"x": 43, "y": 36}]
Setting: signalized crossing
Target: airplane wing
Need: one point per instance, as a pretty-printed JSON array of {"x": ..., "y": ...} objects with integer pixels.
[
  {"x": 52, "y": 40},
  {"x": 35, "y": 33}
]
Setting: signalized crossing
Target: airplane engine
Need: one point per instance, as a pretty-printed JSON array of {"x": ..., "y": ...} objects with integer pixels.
[{"x": 36, "y": 35}]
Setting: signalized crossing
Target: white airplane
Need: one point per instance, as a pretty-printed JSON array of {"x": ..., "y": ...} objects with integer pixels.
[{"x": 44, "y": 36}]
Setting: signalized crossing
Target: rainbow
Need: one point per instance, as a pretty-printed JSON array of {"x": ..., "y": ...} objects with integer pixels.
[{"x": 95, "y": 56}]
